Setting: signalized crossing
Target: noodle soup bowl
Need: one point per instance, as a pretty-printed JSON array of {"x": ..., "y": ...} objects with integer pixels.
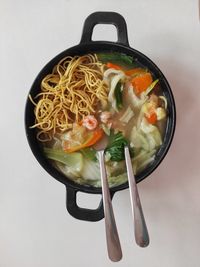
[{"x": 88, "y": 46}]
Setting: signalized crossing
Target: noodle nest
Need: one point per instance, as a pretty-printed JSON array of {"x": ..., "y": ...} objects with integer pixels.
[{"x": 72, "y": 91}]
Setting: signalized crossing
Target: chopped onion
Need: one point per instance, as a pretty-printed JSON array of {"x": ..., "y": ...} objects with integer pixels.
[
  {"x": 114, "y": 82},
  {"x": 109, "y": 71},
  {"x": 135, "y": 101},
  {"x": 128, "y": 114},
  {"x": 161, "y": 113},
  {"x": 164, "y": 100},
  {"x": 147, "y": 127}
]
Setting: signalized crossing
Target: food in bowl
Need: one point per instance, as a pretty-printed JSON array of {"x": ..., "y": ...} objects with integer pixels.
[{"x": 95, "y": 100}]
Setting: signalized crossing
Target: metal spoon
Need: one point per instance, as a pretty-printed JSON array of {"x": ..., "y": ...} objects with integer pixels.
[
  {"x": 141, "y": 232},
  {"x": 112, "y": 238}
]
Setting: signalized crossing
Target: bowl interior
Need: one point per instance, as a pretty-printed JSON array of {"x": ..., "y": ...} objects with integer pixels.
[{"x": 91, "y": 48}]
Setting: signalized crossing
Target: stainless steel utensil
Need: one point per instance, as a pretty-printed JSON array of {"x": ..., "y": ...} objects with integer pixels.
[
  {"x": 141, "y": 232},
  {"x": 112, "y": 238}
]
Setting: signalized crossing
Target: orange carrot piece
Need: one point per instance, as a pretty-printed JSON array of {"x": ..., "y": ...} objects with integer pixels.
[
  {"x": 142, "y": 82},
  {"x": 113, "y": 66},
  {"x": 135, "y": 71},
  {"x": 96, "y": 137},
  {"x": 152, "y": 118},
  {"x": 93, "y": 139}
]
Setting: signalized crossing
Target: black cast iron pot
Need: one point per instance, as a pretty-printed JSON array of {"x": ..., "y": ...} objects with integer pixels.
[{"x": 88, "y": 46}]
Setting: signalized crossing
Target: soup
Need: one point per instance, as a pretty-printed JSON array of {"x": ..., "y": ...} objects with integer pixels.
[{"x": 95, "y": 101}]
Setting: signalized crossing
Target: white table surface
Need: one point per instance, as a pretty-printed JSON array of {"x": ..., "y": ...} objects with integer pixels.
[{"x": 35, "y": 228}]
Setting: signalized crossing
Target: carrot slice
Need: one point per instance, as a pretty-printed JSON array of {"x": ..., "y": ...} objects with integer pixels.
[
  {"x": 96, "y": 137},
  {"x": 113, "y": 66},
  {"x": 152, "y": 118},
  {"x": 142, "y": 82},
  {"x": 135, "y": 71},
  {"x": 93, "y": 139}
]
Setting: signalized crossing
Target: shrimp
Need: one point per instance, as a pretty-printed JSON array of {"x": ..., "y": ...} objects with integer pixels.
[{"x": 90, "y": 122}]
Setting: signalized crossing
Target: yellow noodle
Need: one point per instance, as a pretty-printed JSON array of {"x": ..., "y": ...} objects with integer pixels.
[{"x": 68, "y": 94}]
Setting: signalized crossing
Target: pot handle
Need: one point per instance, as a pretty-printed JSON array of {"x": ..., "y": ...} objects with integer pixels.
[
  {"x": 105, "y": 18},
  {"x": 84, "y": 214}
]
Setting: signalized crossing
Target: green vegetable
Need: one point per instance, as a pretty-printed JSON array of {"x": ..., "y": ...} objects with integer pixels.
[
  {"x": 117, "y": 180},
  {"x": 118, "y": 95},
  {"x": 115, "y": 147},
  {"x": 112, "y": 181},
  {"x": 89, "y": 153},
  {"x": 143, "y": 159},
  {"x": 74, "y": 160},
  {"x": 91, "y": 170},
  {"x": 117, "y": 58},
  {"x": 106, "y": 129},
  {"x": 151, "y": 86}
]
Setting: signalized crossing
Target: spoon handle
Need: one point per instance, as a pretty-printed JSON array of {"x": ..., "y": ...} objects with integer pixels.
[
  {"x": 112, "y": 238},
  {"x": 141, "y": 232}
]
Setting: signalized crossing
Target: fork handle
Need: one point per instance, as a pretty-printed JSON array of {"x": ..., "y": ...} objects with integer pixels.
[
  {"x": 141, "y": 232},
  {"x": 112, "y": 238}
]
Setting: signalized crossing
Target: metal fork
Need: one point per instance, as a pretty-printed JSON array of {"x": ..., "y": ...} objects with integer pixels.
[
  {"x": 112, "y": 237},
  {"x": 141, "y": 232}
]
